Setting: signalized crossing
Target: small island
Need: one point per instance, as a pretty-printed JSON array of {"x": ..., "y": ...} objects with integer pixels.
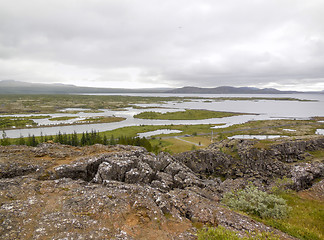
[
  {"x": 103, "y": 119},
  {"x": 188, "y": 114},
  {"x": 64, "y": 118}
]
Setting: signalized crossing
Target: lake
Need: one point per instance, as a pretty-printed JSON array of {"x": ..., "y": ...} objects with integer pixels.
[{"x": 263, "y": 110}]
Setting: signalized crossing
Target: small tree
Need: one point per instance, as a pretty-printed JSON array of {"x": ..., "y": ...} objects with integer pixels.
[
  {"x": 5, "y": 140},
  {"x": 41, "y": 138},
  {"x": 31, "y": 141},
  {"x": 105, "y": 140},
  {"x": 74, "y": 139},
  {"x": 21, "y": 140},
  {"x": 112, "y": 140}
]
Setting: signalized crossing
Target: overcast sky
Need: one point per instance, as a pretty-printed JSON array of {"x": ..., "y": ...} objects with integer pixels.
[{"x": 169, "y": 43}]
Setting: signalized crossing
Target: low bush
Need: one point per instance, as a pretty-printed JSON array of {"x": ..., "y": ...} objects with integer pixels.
[{"x": 254, "y": 201}]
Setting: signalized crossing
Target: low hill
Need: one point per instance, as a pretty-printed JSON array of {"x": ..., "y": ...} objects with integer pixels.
[{"x": 229, "y": 90}]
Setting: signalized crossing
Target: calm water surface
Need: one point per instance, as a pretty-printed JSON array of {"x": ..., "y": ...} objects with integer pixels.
[
  {"x": 157, "y": 132},
  {"x": 260, "y": 137}
]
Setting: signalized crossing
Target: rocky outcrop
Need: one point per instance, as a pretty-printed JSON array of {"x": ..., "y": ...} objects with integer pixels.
[
  {"x": 122, "y": 192},
  {"x": 137, "y": 167},
  {"x": 303, "y": 175},
  {"x": 118, "y": 192},
  {"x": 246, "y": 159},
  {"x": 208, "y": 162},
  {"x": 286, "y": 151}
]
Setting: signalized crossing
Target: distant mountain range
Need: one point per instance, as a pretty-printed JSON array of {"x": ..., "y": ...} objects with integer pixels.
[{"x": 17, "y": 87}]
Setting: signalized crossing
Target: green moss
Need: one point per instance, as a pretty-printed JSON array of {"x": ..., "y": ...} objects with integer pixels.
[
  {"x": 167, "y": 215},
  {"x": 197, "y": 225},
  {"x": 44, "y": 176},
  {"x": 230, "y": 151},
  {"x": 317, "y": 153},
  {"x": 221, "y": 233},
  {"x": 263, "y": 144},
  {"x": 85, "y": 214}
]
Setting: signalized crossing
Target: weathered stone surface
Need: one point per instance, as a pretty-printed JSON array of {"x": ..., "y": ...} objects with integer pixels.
[
  {"x": 258, "y": 165},
  {"x": 14, "y": 170},
  {"x": 207, "y": 161},
  {"x": 123, "y": 192},
  {"x": 304, "y": 174},
  {"x": 316, "y": 192}
]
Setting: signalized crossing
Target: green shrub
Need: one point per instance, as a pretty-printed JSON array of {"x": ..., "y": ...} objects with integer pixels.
[
  {"x": 253, "y": 201},
  {"x": 221, "y": 233}
]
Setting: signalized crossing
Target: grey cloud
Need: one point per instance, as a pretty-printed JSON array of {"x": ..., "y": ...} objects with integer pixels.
[{"x": 171, "y": 43}]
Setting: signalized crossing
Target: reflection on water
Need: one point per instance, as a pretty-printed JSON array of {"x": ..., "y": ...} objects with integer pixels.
[
  {"x": 74, "y": 109},
  {"x": 157, "y": 132},
  {"x": 260, "y": 137},
  {"x": 319, "y": 131},
  {"x": 289, "y": 130}
]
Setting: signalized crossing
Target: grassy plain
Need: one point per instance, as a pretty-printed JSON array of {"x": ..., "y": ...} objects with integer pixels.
[
  {"x": 272, "y": 127},
  {"x": 175, "y": 145},
  {"x": 318, "y": 154},
  {"x": 168, "y": 142},
  {"x": 131, "y": 131},
  {"x": 305, "y": 220},
  {"x": 18, "y": 122},
  {"x": 11, "y": 104},
  {"x": 103, "y": 119}
]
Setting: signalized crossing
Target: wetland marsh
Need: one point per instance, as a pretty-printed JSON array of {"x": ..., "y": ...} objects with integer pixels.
[{"x": 206, "y": 117}]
